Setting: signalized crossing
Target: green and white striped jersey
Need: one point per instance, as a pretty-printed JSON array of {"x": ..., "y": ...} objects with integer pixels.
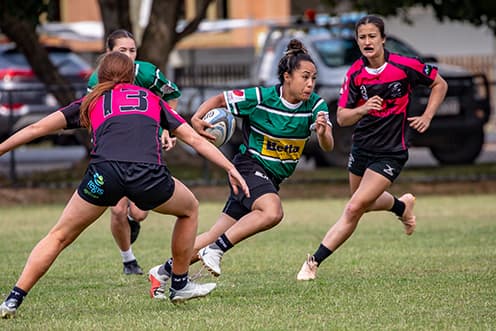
[
  {"x": 147, "y": 75},
  {"x": 274, "y": 131}
]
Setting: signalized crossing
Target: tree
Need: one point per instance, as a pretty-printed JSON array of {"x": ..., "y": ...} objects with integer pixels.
[
  {"x": 18, "y": 21},
  {"x": 476, "y": 12},
  {"x": 160, "y": 36}
]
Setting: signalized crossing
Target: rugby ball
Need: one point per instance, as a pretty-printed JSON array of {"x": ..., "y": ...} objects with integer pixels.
[{"x": 223, "y": 123}]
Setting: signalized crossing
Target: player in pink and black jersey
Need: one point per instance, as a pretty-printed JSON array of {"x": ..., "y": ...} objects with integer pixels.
[
  {"x": 375, "y": 97},
  {"x": 126, "y": 161}
]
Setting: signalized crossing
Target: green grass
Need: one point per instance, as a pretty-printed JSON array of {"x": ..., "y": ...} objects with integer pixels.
[{"x": 441, "y": 278}]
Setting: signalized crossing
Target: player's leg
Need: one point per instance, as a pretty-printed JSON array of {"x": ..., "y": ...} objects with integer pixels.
[
  {"x": 77, "y": 216},
  {"x": 266, "y": 213},
  {"x": 121, "y": 232},
  {"x": 135, "y": 216},
  {"x": 160, "y": 274},
  {"x": 372, "y": 185},
  {"x": 184, "y": 205}
]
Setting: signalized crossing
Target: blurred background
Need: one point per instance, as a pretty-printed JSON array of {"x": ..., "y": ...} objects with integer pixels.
[{"x": 48, "y": 49}]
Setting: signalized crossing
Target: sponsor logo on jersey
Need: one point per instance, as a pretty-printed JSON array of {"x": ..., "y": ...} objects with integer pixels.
[
  {"x": 236, "y": 96},
  {"x": 363, "y": 92},
  {"x": 283, "y": 149},
  {"x": 395, "y": 89},
  {"x": 167, "y": 89},
  {"x": 427, "y": 69}
]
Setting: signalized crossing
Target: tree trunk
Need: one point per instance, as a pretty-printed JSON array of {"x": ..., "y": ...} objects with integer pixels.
[
  {"x": 160, "y": 36},
  {"x": 24, "y": 35},
  {"x": 115, "y": 15}
]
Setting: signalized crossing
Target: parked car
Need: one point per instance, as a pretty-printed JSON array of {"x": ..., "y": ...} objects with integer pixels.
[
  {"x": 456, "y": 133},
  {"x": 23, "y": 98}
]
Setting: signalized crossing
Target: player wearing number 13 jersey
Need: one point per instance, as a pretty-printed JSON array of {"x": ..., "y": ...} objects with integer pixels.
[
  {"x": 115, "y": 112},
  {"x": 124, "y": 120}
]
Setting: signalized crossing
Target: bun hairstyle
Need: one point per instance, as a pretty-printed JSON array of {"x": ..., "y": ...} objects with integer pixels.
[
  {"x": 294, "y": 54},
  {"x": 113, "y": 68}
]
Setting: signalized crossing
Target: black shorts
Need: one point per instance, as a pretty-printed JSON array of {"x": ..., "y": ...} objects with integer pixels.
[
  {"x": 259, "y": 182},
  {"x": 387, "y": 164},
  {"x": 147, "y": 185}
]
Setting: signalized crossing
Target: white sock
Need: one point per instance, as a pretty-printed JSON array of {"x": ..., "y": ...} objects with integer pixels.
[{"x": 128, "y": 255}]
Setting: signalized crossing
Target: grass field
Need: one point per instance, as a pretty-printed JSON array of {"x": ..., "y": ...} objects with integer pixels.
[{"x": 441, "y": 278}]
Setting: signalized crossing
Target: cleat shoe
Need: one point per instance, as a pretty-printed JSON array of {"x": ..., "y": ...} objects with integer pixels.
[
  {"x": 191, "y": 291},
  {"x": 158, "y": 282},
  {"x": 211, "y": 257},
  {"x": 132, "y": 268},
  {"x": 308, "y": 270},
  {"x": 8, "y": 308},
  {"x": 408, "y": 219},
  {"x": 135, "y": 228}
]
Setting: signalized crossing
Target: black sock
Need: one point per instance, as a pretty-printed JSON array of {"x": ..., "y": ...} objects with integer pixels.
[
  {"x": 179, "y": 281},
  {"x": 222, "y": 243},
  {"x": 321, "y": 254},
  {"x": 166, "y": 268},
  {"x": 398, "y": 207},
  {"x": 18, "y": 294}
]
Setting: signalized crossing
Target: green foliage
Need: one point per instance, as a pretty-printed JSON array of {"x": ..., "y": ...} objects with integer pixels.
[
  {"x": 441, "y": 278},
  {"x": 476, "y": 12}
]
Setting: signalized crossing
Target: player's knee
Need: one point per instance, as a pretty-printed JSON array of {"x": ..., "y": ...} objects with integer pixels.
[
  {"x": 273, "y": 217},
  {"x": 118, "y": 211},
  {"x": 354, "y": 210}
]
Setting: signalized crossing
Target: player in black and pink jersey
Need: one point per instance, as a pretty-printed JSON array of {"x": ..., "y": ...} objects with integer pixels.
[
  {"x": 375, "y": 97},
  {"x": 126, "y": 160}
]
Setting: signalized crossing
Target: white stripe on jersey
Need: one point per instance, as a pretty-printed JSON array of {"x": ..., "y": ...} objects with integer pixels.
[{"x": 282, "y": 113}]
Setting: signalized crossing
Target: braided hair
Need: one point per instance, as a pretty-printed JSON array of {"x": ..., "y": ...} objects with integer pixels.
[{"x": 294, "y": 54}]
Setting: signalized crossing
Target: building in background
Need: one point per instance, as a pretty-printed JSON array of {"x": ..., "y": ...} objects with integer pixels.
[{"x": 234, "y": 29}]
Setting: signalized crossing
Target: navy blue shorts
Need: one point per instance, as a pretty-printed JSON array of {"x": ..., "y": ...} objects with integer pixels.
[
  {"x": 259, "y": 182},
  {"x": 387, "y": 164},
  {"x": 147, "y": 185}
]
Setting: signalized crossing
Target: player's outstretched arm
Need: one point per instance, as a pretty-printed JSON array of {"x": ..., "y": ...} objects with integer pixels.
[
  {"x": 197, "y": 121},
  {"x": 47, "y": 125},
  {"x": 186, "y": 133}
]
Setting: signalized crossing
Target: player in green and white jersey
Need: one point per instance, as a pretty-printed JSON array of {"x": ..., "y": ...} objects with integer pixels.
[
  {"x": 277, "y": 122},
  {"x": 125, "y": 216},
  {"x": 147, "y": 75}
]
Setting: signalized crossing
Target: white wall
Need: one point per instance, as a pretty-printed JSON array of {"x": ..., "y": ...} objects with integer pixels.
[{"x": 448, "y": 38}]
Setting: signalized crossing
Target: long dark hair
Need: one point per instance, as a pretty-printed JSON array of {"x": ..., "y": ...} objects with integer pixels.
[
  {"x": 113, "y": 68},
  {"x": 294, "y": 54}
]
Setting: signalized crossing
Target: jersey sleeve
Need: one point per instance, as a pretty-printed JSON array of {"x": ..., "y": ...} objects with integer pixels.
[
  {"x": 92, "y": 81},
  {"x": 349, "y": 92},
  {"x": 242, "y": 102},
  {"x": 421, "y": 73},
  {"x": 320, "y": 106},
  {"x": 71, "y": 114},
  {"x": 169, "y": 118},
  {"x": 149, "y": 76}
]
